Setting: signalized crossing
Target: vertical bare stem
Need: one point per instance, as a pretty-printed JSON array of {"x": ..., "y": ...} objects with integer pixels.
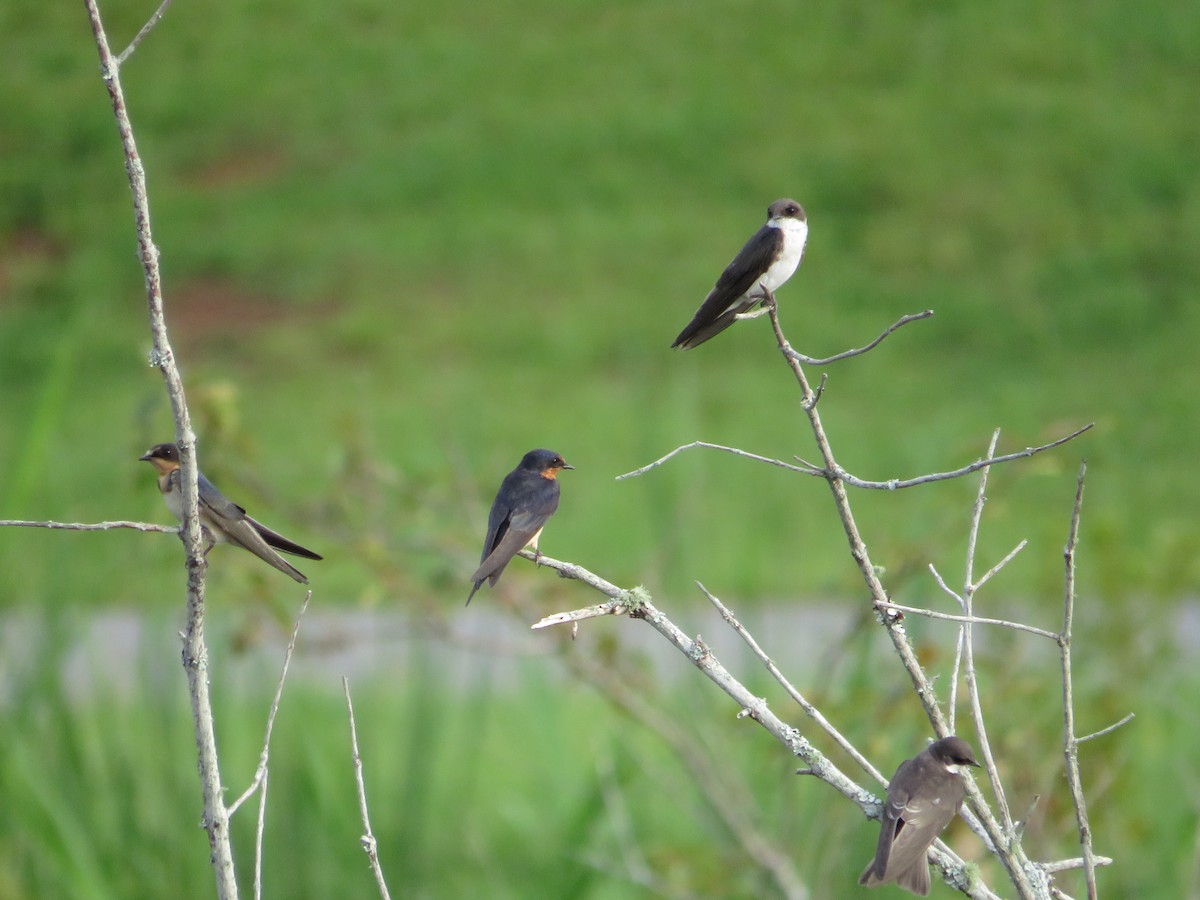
[
  {"x": 195, "y": 651},
  {"x": 1070, "y": 742},
  {"x": 370, "y": 845},
  {"x": 968, "y": 645}
]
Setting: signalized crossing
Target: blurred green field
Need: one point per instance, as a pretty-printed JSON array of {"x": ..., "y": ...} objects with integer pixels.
[{"x": 403, "y": 244}]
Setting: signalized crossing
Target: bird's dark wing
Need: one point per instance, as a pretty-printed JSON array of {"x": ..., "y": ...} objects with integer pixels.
[
  {"x": 910, "y": 825},
  {"x": 727, "y": 298},
  {"x": 227, "y": 521},
  {"x": 279, "y": 542},
  {"x": 919, "y": 823},
  {"x": 522, "y": 527},
  {"x": 497, "y": 527}
]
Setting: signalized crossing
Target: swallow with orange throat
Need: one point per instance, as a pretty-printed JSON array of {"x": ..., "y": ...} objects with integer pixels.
[
  {"x": 527, "y": 498},
  {"x": 769, "y": 259},
  {"x": 221, "y": 520}
]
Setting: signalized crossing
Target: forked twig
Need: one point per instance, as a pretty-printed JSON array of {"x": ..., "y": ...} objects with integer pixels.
[
  {"x": 145, "y": 30},
  {"x": 858, "y": 351},
  {"x": 894, "y": 484},
  {"x": 261, "y": 774},
  {"x": 639, "y": 606}
]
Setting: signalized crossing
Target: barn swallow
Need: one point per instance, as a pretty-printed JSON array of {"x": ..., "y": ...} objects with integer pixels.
[
  {"x": 527, "y": 499},
  {"x": 923, "y": 797},
  {"x": 221, "y": 520},
  {"x": 763, "y": 265}
]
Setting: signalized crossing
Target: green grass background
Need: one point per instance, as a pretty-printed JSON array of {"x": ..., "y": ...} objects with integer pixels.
[{"x": 403, "y": 244}]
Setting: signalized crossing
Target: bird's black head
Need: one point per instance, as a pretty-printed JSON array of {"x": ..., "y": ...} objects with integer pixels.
[
  {"x": 953, "y": 751},
  {"x": 786, "y": 209},
  {"x": 163, "y": 457},
  {"x": 546, "y": 463}
]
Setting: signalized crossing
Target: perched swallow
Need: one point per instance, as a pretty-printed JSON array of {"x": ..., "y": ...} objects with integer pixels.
[
  {"x": 527, "y": 499},
  {"x": 923, "y": 797},
  {"x": 763, "y": 265},
  {"x": 221, "y": 520}
]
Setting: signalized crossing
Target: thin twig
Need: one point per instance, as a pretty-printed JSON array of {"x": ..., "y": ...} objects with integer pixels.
[
  {"x": 1008, "y": 557},
  {"x": 1124, "y": 720},
  {"x": 974, "y": 620},
  {"x": 812, "y": 712},
  {"x": 901, "y": 484},
  {"x": 803, "y": 470},
  {"x": 1070, "y": 743},
  {"x": 264, "y": 754},
  {"x": 369, "y": 844},
  {"x": 133, "y": 45},
  {"x": 91, "y": 526},
  {"x": 846, "y": 354},
  {"x": 718, "y": 787},
  {"x": 967, "y": 599},
  {"x": 894, "y": 484},
  {"x": 260, "y": 828}
]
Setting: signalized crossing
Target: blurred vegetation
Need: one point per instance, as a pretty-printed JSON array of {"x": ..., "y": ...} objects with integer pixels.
[{"x": 404, "y": 244}]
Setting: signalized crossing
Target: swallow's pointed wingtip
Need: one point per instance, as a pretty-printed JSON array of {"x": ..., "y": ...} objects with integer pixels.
[{"x": 476, "y": 587}]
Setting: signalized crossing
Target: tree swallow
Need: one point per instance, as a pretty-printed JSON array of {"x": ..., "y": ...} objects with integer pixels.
[
  {"x": 527, "y": 499},
  {"x": 923, "y": 797},
  {"x": 221, "y": 520},
  {"x": 763, "y": 265}
]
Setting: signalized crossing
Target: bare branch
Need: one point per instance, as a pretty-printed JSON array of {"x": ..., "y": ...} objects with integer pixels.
[
  {"x": 1125, "y": 720},
  {"x": 900, "y": 484},
  {"x": 640, "y": 606},
  {"x": 899, "y": 323},
  {"x": 1020, "y": 872},
  {"x": 803, "y": 470},
  {"x": 195, "y": 649},
  {"x": 611, "y": 608},
  {"x": 260, "y": 828},
  {"x": 974, "y": 620},
  {"x": 1070, "y": 743},
  {"x": 894, "y": 484},
  {"x": 91, "y": 526},
  {"x": 718, "y": 786},
  {"x": 1008, "y": 557},
  {"x": 1067, "y": 865},
  {"x": 260, "y": 773},
  {"x": 137, "y": 39},
  {"x": 968, "y": 642},
  {"x": 369, "y": 844},
  {"x": 801, "y": 701}
]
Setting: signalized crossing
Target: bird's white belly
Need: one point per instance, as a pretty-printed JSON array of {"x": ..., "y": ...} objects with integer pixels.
[{"x": 795, "y": 236}]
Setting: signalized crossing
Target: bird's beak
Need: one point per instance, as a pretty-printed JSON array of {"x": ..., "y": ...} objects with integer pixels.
[
  {"x": 565, "y": 466},
  {"x": 145, "y": 457}
]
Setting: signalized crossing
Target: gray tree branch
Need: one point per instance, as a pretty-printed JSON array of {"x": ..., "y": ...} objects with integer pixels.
[{"x": 195, "y": 649}]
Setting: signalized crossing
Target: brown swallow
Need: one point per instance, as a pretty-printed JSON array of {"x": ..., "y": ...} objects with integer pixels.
[
  {"x": 923, "y": 796},
  {"x": 222, "y": 521}
]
